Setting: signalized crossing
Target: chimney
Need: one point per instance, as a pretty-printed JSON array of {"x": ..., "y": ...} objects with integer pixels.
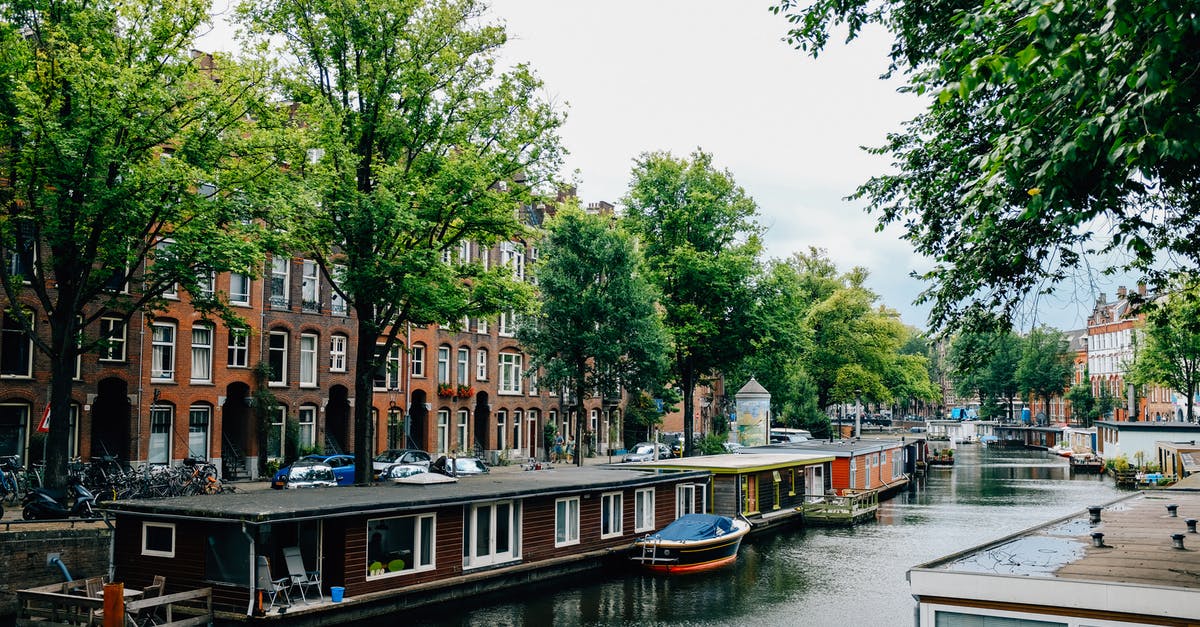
[{"x": 1121, "y": 291}]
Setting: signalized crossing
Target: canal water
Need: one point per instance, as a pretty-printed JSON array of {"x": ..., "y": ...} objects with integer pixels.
[{"x": 817, "y": 576}]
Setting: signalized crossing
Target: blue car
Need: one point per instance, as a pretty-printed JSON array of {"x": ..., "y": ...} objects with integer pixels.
[{"x": 342, "y": 465}]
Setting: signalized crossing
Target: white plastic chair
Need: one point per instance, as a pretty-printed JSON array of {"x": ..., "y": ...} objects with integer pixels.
[{"x": 301, "y": 578}]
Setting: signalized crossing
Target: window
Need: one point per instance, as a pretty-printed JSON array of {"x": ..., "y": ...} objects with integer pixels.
[
  {"x": 202, "y": 339},
  {"x": 481, "y": 365},
  {"x": 16, "y": 348},
  {"x": 533, "y": 383},
  {"x": 443, "y": 364},
  {"x": 310, "y": 287},
  {"x": 464, "y": 362},
  {"x": 277, "y": 354},
  {"x": 944, "y": 618},
  {"x": 508, "y": 323},
  {"x": 387, "y": 376},
  {"x": 13, "y": 419},
  {"x": 158, "y": 539},
  {"x": 566, "y": 522},
  {"x": 163, "y": 252},
  {"x": 307, "y": 435},
  {"x": 464, "y": 417},
  {"x": 593, "y": 420},
  {"x": 491, "y": 534},
  {"x": 276, "y": 435},
  {"x": 510, "y": 373},
  {"x": 239, "y": 348},
  {"x": 337, "y": 304},
  {"x": 685, "y": 499},
  {"x": 501, "y": 420},
  {"x": 418, "y": 360},
  {"x": 853, "y": 473},
  {"x": 162, "y": 351},
  {"x": 239, "y": 289},
  {"x": 481, "y": 326},
  {"x": 198, "y": 418},
  {"x": 443, "y": 427},
  {"x": 400, "y": 545},
  {"x": 464, "y": 252},
  {"x": 206, "y": 283},
  {"x": 160, "y": 434},
  {"x": 518, "y": 416},
  {"x": 337, "y": 353},
  {"x": 485, "y": 254},
  {"x": 112, "y": 331},
  {"x": 22, "y": 259},
  {"x": 610, "y": 515},
  {"x": 308, "y": 360},
  {"x": 643, "y": 510},
  {"x": 280, "y": 269}
]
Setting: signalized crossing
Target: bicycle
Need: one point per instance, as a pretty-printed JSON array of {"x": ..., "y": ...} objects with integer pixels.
[{"x": 10, "y": 482}]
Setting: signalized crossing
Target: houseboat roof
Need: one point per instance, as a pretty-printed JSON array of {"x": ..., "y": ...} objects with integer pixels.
[
  {"x": 278, "y": 505},
  {"x": 736, "y": 463},
  {"x": 836, "y": 448},
  {"x": 1138, "y": 570},
  {"x": 1188, "y": 427}
]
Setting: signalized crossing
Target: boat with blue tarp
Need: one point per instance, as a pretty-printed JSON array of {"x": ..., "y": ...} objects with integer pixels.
[{"x": 693, "y": 543}]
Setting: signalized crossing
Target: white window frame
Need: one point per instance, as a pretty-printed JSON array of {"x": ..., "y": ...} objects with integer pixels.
[
  {"x": 853, "y": 473},
  {"x": 501, "y": 426},
  {"x": 566, "y": 521},
  {"x": 310, "y": 286},
  {"x": 236, "y": 295},
  {"x": 643, "y": 510},
  {"x": 417, "y": 565},
  {"x": 204, "y": 412},
  {"x": 147, "y": 552},
  {"x": 462, "y": 427},
  {"x": 306, "y": 418},
  {"x": 14, "y": 333},
  {"x": 509, "y": 366},
  {"x": 206, "y": 282},
  {"x": 685, "y": 499},
  {"x": 443, "y": 364},
  {"x": 162, "y": 352},
  {"x": 481, "y": 326},
  {"x": 281, "y": 275},
  {"x": 117, "y": 343},
  {"x": 202, "y": 353},
  {"x": 508, "y": 323},
  {"x": 278, "y": 379},
  {"x": 238, "y": 349},
  {"x": 308, "y": 359},
  {"x": 337, "y": 352},
  {"x": 171, "y": 291},
  {"x": 532, "y": 383},
  {"x": 443, "y": 431},
  {"x": 471, "y": 557},
  {"x": 481, "y": 364},
  {"x": 463, "y": 370},
  {"x": 612, "y": 508},
  {"x": 163, "y": 440},
  {"x": 417, "y": 363}
]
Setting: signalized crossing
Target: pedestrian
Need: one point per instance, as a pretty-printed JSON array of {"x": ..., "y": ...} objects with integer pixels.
[
  {"x": 570, "y": 450},
  {"x": 556, "y": 455}
]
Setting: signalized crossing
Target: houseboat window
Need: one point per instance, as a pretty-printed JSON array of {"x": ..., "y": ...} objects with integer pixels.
[
  {"x": 610, "y": 515},
  {"x": 225, "y": 554},
  {"x": 643, "y": 510},
  {"x": 491, "y": 534},
  {"x": 685, "y": 499},
  {"x": 566, "y": 522},
  {"x": 853, "y": 473},
  {"x": 399, "y": 545},
  {"x": 958, "y": 619},
  {"x": 158, "y": 539}
]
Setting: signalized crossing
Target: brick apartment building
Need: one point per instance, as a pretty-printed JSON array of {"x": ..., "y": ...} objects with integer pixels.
[{"x": 176, "y": 385}]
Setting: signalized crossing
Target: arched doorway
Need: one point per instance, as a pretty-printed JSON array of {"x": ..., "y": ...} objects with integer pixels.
[
  {"x": 337, "y": 420},
  {"x": 418, "y": 421},
  {"x": 110, "y": 419},
  {"x": 238, "y": 435},
  {"x": 483, "y": 413}
]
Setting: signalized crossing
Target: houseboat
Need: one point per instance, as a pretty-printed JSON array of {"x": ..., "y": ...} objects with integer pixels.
[
  {"x": 691, "y": 544},
  {"x": 1133, "y": 563},
  {"x": 880, "y": 465},
  {"x": 393, "y": 547},
  {"x": 767, "y": 489}
]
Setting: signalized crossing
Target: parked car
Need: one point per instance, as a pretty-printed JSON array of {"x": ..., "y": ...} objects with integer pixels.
[
  {"x": 732, "y": 447},
  {"x": 644, "y": 452},
  {"x": 400, "y": 471},
  {"x": 341, "y": 465},
  {"x": 780, "y": 437},
  {"x": 390, "y": 457},
  {"x": 459, "y": 466}
]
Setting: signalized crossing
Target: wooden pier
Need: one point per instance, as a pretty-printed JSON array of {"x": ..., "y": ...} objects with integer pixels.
[
  {"x": 68, "y": 604},
  {"x": 841, "y": 510}
]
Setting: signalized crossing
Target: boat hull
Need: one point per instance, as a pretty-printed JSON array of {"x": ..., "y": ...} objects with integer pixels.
[{"x": 691, "y": 556}]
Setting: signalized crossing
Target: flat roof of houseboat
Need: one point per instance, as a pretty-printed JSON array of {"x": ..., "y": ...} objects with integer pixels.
[
  {"x": 726, "y": 463},
  {"x": 1137, "y": 570},
  {"x": 836, "y": 448},
  {"x": 269, "y": 505}
]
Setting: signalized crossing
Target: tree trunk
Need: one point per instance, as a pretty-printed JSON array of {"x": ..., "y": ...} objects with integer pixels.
[
  {"x": 62, "y": 374},
  {"x": 687, "y": 383},
  {"x": 364, "y": 365}
]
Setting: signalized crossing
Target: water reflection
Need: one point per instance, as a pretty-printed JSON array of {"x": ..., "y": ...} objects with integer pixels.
[{"x": 831, "y": 576}]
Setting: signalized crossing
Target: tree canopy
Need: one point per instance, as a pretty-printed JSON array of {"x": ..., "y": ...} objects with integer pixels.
[
  {"x": 1169, "y": 344},
  {"x": 1058, "y": 136}
]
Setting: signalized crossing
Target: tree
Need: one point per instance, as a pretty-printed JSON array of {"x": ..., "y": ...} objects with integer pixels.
[
  {"x": 1054, "y": 131},
  {"x": 119, "y": 158},
  {"x": 984, "y": 364},
  {"x": 1169, "y": 354},
  {"x": 1046, "y": 366},
  {"x": 701, "y": 246},
  {"x": 596, "y": 327},
  {"x": 412, "y": 143},
  {"x": 1083, "y": 403}
]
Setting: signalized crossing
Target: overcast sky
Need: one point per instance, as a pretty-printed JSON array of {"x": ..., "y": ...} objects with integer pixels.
[{"x": 675, "y": 75}]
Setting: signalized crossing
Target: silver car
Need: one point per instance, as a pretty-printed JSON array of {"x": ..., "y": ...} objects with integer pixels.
[
  {"x": 314, "y": 475},
  {"x": 644, "y": 452}
]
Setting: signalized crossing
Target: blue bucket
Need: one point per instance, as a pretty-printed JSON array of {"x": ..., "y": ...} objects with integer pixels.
[{"x": 336, "y": 593}]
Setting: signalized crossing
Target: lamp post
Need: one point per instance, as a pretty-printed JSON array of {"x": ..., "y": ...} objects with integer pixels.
[{"x": 857, "y": 413}]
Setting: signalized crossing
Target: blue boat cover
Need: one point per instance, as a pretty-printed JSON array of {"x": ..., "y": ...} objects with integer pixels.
[{"x": 695, "y": 527}]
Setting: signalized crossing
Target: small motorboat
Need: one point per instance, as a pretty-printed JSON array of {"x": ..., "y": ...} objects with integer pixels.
[{"x": 693, "y": 543}]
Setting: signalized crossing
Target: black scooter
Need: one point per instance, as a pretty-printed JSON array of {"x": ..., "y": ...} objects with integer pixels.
[{"x": 46, "y": 503}]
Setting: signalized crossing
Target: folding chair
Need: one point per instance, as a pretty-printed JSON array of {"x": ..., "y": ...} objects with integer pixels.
[
  {"x": 271, "y": 587},
  {"x": 149, "y": 615},
  {"x": 301, "y": 578}
]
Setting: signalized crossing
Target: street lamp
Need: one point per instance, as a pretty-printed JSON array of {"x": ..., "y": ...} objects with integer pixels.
[{"x": 857, "y": 413}]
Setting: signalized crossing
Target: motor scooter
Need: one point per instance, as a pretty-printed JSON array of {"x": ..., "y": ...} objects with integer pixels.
[{"x": 47, "y": 503}]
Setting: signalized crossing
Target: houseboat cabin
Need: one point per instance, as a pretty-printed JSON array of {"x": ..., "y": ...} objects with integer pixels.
[
  {"x": 858, "y": 465},
  {"x": 391, "y": 546}
]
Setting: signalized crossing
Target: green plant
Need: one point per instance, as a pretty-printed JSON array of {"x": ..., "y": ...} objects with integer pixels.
[
  {"x": 712, "y": 444},
  {"x": 273, "y": 466},
  {"x": 1120, "y": 464}
]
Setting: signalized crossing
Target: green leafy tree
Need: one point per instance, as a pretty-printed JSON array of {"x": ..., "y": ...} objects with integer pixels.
[
  {"x": 1105, "y": 404},
  {"x": 411, "y": 143},
  {"x": 118, "y": 154},
  {"x": 701, "y": 247},
  {"x": 1083, "y": 403},
  {"x": 1045, "y": 368},
  {"x": 596, "y": 327},
  {"x": 854, "y": 345},
  {"x": 984, "y": 364},
  {"x": 1053, "y": 131},
  {"x": 1169, "y": 351}
]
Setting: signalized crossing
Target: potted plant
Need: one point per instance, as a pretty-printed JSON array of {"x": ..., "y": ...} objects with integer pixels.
[
  {"x": 464, "y": 391},
  {"x": 445, "y": 390}
]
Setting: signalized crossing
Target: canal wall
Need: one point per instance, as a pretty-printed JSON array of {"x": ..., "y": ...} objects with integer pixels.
[{"x": 24, "y": 553}]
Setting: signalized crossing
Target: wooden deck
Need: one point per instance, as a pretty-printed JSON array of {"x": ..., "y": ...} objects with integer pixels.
[
  {"x": 67, "y": 604},
  {"x": 841, "y": 510}
]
